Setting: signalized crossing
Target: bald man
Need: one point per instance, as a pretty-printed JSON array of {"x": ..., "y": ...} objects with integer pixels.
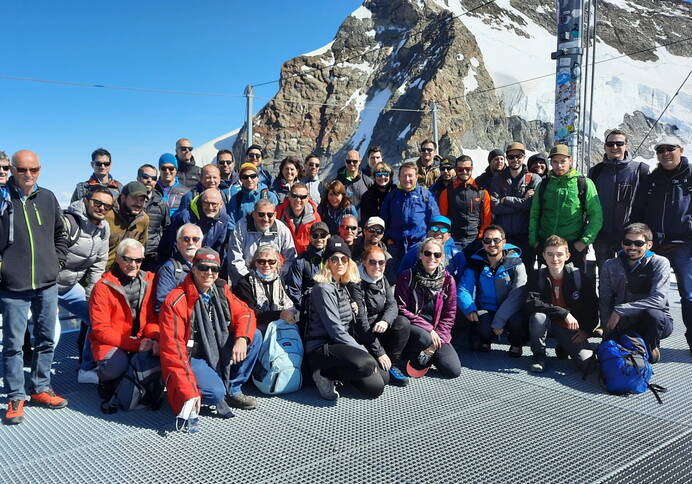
[
  {"x": 210, "y": 178},
  {"x": 33, "y": 248},
  {"x": 356, "y": 182}
]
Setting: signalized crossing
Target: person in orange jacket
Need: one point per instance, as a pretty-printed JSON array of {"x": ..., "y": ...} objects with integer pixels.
[
  {"x": 209, "y": 343},
  {"x": 299, "y": 213}
]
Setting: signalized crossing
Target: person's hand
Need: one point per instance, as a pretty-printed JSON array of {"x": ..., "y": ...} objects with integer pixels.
[
  {"x": 145, "y": 344},
  {"x": 436, "y": 340},
  {"x": 380, "y": 327},
  {"x": 498, "y": 331},
  {"x": 571, "y": 322},
  {"x": 385, "y": 362},
  {"x": 354, "y": 307},
  {"x": 529, "y": 193},
  {"x": 288, "y": 315},
  {"x": 579, "y": 337},
  {"x": 239, "y": 352},
  {"x": 613, "y": 321},
  {"x": 579, "y": 246},
  {"x": 473, "y": 317},
  {"x": 155, "y": 348}
]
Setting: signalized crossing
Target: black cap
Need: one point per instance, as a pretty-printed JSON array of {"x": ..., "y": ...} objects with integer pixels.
[
  {"x": 495, "y": 153},
  {"x": 336, "y": 244}
]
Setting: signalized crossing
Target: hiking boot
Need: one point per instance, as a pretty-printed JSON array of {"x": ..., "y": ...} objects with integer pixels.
[
  {"x": 243, "y": 402},
  {"x": 655, "y": 355},
  {"x": 538, "y": 364},
  {"x": 397, "y": 377},
  {"x": 325, "y": 386},
  {"x": 515, "y": 351},
  {"x": 561, "y": 353},
  {"x": 15, "y": 412},
  {"x": 48, "y": 399},
  {"x": 88, "y": 376},
  {"x": 106, "y": 389},
  {"x": 223, "y": 410}
]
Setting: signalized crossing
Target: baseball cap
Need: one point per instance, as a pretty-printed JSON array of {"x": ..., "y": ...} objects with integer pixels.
[
  {"x": 207, "y": 255},
  {"x": 440, "y": 220},
  {"x": 515, "y": 145},
  {"x": 446, "y": 163},
  {"x": 668, "y": 141},
  {"x": 559, "y": 150},
  {"x": 319, "y": 226},
  {"x": 134, "y": 188},
  {"x": 372, "y": 221}
]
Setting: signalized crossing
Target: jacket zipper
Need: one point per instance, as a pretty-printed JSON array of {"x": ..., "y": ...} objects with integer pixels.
[{"x": 31, "y": 245}]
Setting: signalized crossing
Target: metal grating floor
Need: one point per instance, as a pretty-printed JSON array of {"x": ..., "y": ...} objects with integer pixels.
[{"x": 495, "y": 423}]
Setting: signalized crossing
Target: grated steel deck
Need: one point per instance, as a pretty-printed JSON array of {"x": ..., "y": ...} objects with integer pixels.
[{"x": 495, "y": 423}]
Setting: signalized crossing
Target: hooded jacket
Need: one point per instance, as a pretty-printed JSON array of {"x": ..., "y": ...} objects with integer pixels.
[
  {"x": 159, "y": 219},
  {"x": 124, "y": 227},
  {"x": 407, "y": 215},
  {"x": 189, "y": 174},
  {"x": 559, "y": 210},
  {"x": 301, "y": 236},
  {"x": 243, "y": 203},
  {"x": 315, "y": 188},
  {"x": 513, "y": 213},
  {"x": 355, "y": 187}
]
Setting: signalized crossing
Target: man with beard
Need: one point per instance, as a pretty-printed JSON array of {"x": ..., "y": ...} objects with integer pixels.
[
  {"x": 128, "y": 220},
  {"x": 188, "y": 172},
  {"x": 159, "y": 217},
  {"x": 298, "y": 212},
  {"x": 496, "y": 163}
]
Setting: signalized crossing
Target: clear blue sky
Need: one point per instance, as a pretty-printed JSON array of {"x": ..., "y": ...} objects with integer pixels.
[{"x": 217, "y": 46}]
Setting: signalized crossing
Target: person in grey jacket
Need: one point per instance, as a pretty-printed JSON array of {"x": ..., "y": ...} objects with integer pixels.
[
  {"x": 339, "y": 343},
  {"x": 312, "y": 177},
  {"x": 633, "y": 291}
]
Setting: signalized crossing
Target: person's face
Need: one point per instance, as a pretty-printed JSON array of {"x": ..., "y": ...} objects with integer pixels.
[
  {"x": 338, "y": 265},
  {"x": 4, "y": 171},
  {"x": 211, "y": 204},
  {"x": 168, "y": 173},
  {"x": 374, "y": 158},
  {"x": 130, "y": 262},
  {"x": 289, "y": 172},
  {"x": 264, "y": 217},
  {"x": 374, "y": 266},
  {"x": 560, "y": 164},
  {"x": 427, "y": 153},
  {"x": 464, "y": 170},
  {"x": 297, "y": 200},
  {"x": 266, "y": 263},
  {"x": 668, "y": 159},
  {"x": 555, "y": 257},
  {"x": 493, "y": 242},
  {"x": 334, "y": 198},
  {"x": 204, "y": 275},
  {"x": 373, "y": 234},
  {"x": 431, "y": 257},
  {"x": 497, "y": 164},
  {"x": 352, "y": 162},
  {"x": 615, "y": 147},
  {"x": 407, "y": 178},
  {"x": 440, "y": 232},
  {"x": 538, "y": 167},
  {"x": 312, "y": 167},
  {"x": 26, "y": 170},
  {"x": 515, "y": 158},
  {"x": 97, "y": 206},
  {"x": 635, "y": 246},
  {"x": 148, "y": 178},
  {"x": 101, "y": 165},
  {"x": 447, "y": 172},
  {"x": 383, "y": 177},
  {"x": 348, "y": 228},
  {"x": 134, "y": 203},
  {"x": 254, "y": 156},
  {"x": 184, "y": 150},
  {"x": 189, "y": 241},
  {"x": 249, "y": 180},
  {"x": 318, "y": 239},
  {"x": 226, "y": 164}
]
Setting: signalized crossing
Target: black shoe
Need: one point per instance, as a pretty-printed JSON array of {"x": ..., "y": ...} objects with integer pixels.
[
  {"x": 241, "y": 401},
  {"x": 589, "y": 366},
  {"x": 538, "y": 364},
  {"x": 560, "y": 353},
  {"x": 106, "y": 389},
  {"x": 515, "y": 351}
]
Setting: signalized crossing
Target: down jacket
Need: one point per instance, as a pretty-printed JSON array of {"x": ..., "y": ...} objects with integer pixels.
[
  {"x": 301, "y": 237},
  {"x": 512, "y": 214}
]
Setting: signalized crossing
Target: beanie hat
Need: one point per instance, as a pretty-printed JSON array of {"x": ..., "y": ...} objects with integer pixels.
[
  {"x": 168, "y": 159},
  {"x": 495, "y": 153},
  {"x": 336, "y": 244}
]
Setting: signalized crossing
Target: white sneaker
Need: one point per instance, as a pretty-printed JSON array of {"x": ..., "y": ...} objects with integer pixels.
[{"x": 88, "y": 376}]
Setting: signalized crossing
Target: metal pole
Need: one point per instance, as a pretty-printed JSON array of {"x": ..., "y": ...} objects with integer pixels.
[
  {"x": 436, "y": 138},
  {"x": 586, "y": 46},
  {"x": 249, "y": 93},
  {"x": 593, "y": 79}
]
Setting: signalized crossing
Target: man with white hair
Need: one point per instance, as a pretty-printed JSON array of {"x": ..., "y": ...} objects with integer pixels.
[{"x": 187, "y": 240}]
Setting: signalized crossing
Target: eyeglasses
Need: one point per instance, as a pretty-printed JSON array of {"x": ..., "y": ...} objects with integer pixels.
[
  {"x": 211, "y": 204},
  {"x": 101, "y": 163},
  {"x": 136, "y": 260},
  {"x": 314, "y": 165},
  {"x": 252, "y": 176},
  {"x": 100, "y": 204},
  {"x": 375, "y": 230},
  {"x": 193, "y": 239},
  {"x": 374, "y": 262},
  {"x": 610, "y": 144},
  {"x": 264, "y": 262},
  {"x": 446, "y": 168},
  {"x": 5, "y": 167},
  {"x": 167, "y": 168},
  {"x": 224, "y": 162},
  {"x": 299, "y": 197},
  {"x": 493, "y": 241},
  {"x": 514, "y": 157},
  {"x": 338, "y": 259},
  {"x": 146, "y": 176},
  {"x": 427, "y": 150},
  {"x": 25, "y": 170},
  {"x": 663, "y": 149},
  {"x": 265, "y": 214},
  {"x": 352, "y": 228},
  {"x": 436, "y": 255},
  {"x": 207, "y": 267},
  {"x": 383, "y": 174},
  {"x": 636, "y": 243},
  {"x": 352, "y": 162},
  {"x": 254, "y": 155},
  {"x": 319, "y": 235},
  {"x": 437, "y": 228},
  {"x": 185, "y": 148},
  {"x": 464, "y": 168}
]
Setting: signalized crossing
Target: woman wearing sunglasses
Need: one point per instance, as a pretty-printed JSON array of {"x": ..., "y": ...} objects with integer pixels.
[
  {"x": 339, "y": 343},
  {"x": 371, "y": 202},
  {"x": 262, "y": 289},
  {"x": 290, "y": 171},
  {"x": 426, "y": 295},
  {"x": 334, "y": 205}
]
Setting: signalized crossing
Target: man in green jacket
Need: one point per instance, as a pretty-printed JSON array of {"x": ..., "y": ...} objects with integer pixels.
[{"x": 566, "y": 204}]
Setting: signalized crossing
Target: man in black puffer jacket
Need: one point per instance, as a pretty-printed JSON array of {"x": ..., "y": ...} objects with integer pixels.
[{"x": 159, "y": 217}]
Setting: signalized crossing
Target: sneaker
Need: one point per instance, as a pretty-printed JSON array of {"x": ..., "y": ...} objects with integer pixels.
[
  {"x": 88, "y": 376},
  {"x": 397, "y": 377},
  {"x": 597, "y": 333},
  {"x": 223, "y": 410},
  {"x": 15, "y": 412},
  {"x": 48, "y": 399},
  {"x": 655, "y": 355},
  {"x": 515, "y": 351},
  {"x": 561, "y": 353},
  {"x": 590, "y": 365},
  {"x": 243, "y": 402},
  {"x": 325, "y": 386},
  {"x": 538, "y": 364}
]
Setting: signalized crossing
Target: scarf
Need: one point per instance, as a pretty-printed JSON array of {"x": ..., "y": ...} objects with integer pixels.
[
  {"x": 210, "y": 320},
  {"x": 278, "y": 299},
  {"x": 432, "y": 282}
]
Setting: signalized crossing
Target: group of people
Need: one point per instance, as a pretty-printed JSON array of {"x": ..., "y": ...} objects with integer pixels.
[{"x": 185, "y": 267}]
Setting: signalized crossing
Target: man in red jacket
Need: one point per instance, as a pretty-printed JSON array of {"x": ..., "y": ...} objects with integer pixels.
[
  {"x": 209, "y": 342},
  {"x": 299, "y": 213}
]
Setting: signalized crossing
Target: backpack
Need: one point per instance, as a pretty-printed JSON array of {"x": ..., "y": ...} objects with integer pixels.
[
  {"x": 278, "y": 367},
  {"x": 140, "y": 387},
  {"x": 625, "y": 366},
  {"x": 72, "y": 228}
]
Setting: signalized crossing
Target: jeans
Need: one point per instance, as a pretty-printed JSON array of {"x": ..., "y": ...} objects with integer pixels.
[
  {"x": 114, "y": 365},
  {"x": 680, "y": 257},
  {"x": 74, "y": 300},
  {"x": 445, "y": 359},
  {"x": 241, "y": 372},
  {"x": 605, "y": 249},
  {"x": 516, "y": 328},
  {"x": 540, "y": 325},
  {"x": 348, "y": 363},
  {"x": 208, "y": 381},
  {"x": 15, "y": 311}
]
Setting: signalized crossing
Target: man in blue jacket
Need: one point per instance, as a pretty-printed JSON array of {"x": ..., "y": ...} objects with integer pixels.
[{"x": 251, "y": 190}]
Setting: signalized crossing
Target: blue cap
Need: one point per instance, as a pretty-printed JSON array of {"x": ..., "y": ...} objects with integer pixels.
[
  {"x": 440, "y": 219},
  {"x": 168, "y": 159}
]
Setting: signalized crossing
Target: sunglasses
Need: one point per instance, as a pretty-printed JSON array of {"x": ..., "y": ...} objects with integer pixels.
[
  {"x": 352, "y": 228},
  {"x": 446, "y": 168},
  {"x": 320, "y": 235},
  {"x": 207, "y": 267},
  {"x": 299, "y": 197},
  {"x": 193, "y": 239},
  {"x": 167, "y": 168},
  {"x": 383, "y": 174},
  {"x": 25, "y": 170},
  {"x": 493, "y": 241},
  {"x": 375, "y": 230},
  {"x": 610, "y": 144},
  {"x": 264, "y": 262},
  {"x": 437, "y": 228},
  {"x": 636, "y": 243},
  {"x": 265, "y": 214},
  {"x": 5, "y": 167},
  {"x": 436, "y": 255},
  {"x": 314, "y": 165},
  {"x": 100, "y": 204},
  {"x": 185, "y": 148},
  {"x": 254, "y": 155},
  {"x": 374, "y": 262},
  {"x": 136, "y": 260},
  {"x": 427, "y": 150},
  {"x": 248, "y": 177},
  {"x": 464, "y": 168},
  {"x": 338, "y": 259},
  {"x": 145, "y": 176},
  {"x": 101, "y": 163},
  {"x": 224, "y": 162},
  {"x": 514, "y": 157},
  {"x": 663, "y": 149},
  {"x": 352, "y": 162}
]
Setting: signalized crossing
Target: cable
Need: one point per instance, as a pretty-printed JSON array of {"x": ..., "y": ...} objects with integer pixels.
[{"x": 309, "y": 103}]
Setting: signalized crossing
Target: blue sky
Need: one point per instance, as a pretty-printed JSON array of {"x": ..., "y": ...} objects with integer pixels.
[{"x": 216, "y": 47}]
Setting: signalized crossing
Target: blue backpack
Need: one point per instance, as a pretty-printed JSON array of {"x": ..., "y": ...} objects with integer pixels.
[
  {"x": 278, "y": 365},
  {"x": 625, "y": 366}
]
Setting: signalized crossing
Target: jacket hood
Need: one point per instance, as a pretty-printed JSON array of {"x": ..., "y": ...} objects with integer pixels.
[
  {"x": 627, "y": 159},
  {"x": 78, "y": 209},
  {"x": 572, "y": 173}
]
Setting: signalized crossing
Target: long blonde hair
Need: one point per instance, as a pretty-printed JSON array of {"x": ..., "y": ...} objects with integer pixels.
[{"x": 325, "y": 275}]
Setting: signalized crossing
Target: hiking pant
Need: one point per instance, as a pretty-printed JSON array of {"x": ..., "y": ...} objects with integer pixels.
[
  {"x": 539, "y": 327},
  {"x": 242, "y": 372},
  {"x": 74, "y": 300},
  {"x": 445, "y": 359},
  {"x": 395, "y": 338},
  {"x": 680, "y": 257},
  {"x": 516, "y": 328},
  {"x": 350, "y": 364},
  {"x": 652, "y": 325}
]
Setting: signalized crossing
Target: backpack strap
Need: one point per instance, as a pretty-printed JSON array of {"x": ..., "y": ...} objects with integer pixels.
[
  {"x": 581, "y": 186},
  {"x": 576, "y": 276},
  {"x": 177, "y": 269},
  {"x": 541, "y": 196}
]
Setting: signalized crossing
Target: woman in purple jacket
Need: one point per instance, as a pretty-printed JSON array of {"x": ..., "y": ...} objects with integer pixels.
[{"x": 426, "y": 296}]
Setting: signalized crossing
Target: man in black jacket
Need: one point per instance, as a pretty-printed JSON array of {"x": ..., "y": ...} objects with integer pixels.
[
  {"x": 159, "y": 217},
  {"x": 33, "y": 246},
  {"x": 300, "y": 276},
  {"x": 188, "y": 172}
]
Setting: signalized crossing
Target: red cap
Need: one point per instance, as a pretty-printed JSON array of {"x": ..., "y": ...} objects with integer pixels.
[{"x": 207, "y": 256}]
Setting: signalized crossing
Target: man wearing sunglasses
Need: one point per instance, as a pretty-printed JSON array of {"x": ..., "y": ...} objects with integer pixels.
[
  {"x": 230, "y": 183},
  {"x": 664, "y": 203},
  {"x": 299, "y": 213},
  {"x": 159, "y": 217},
  {"x": 188, "y": 240},
  {"x": 300, "y": 276},
  {"x": 445, "y": 179},
  {"x": 101, "y": 164},
  {"x": 373, "y": 235},
  {"x": 617, "y": 179},
  {"x": 33, "y": 248},
  {"x": 188, "y": 171},
  {"x": 312, "y": 177},
  {"x": 128, "y": 220},
  {"x": 255, "y": 154},
  {"x": 496, "y": 163},
  {"x": 427, "y": 171},
  {"x": 355, "y": 181},
  {"x": 168, "y": 186},
  {"x": 251, "y": 191},
  {"x": 4, "y": 177},
  {"x": 633, "y": 291}
]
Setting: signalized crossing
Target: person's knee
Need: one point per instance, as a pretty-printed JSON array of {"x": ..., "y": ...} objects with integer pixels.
[
  {"x": 364, "y": 366},
  {"x": 372, "y": 386}
]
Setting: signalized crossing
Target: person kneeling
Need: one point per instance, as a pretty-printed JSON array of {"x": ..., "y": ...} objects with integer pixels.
[
  {"x": 562, "y": 301},
  {"x": 209, "y": 342}
]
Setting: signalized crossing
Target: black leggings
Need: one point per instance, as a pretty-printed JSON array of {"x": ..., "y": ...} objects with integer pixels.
[
  {"x": 347, "y": 363},
  {"x": 446, "y": 359},
  {"x": 395, "y": 338}
]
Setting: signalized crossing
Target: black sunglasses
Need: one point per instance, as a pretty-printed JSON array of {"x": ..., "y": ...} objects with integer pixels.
[
  {"x": 428, "y": 253},
  {"x": 299, "y": 197},
  {"x": 32, "y": 170},
  {"x": 207, "y": 267},
  {"x": 5, "y": 167},
  {"x": 100, "y": 204},
  {"x": 254, "y": 155},
  {"x": 374, "y": 262},
  {"x": 636, "y": 243},
  {"x": 319, "y": 235},
  {"x": 663, "y": 149},
  {"x": 185, "y": 148},
  {"x": 352, "y": 162},
  {"x": 224, "y": 162},
  {"x": 248, "y": 177},
  {"x": 610, "y": 144},
  {"x": 495, "y": 240},
  {"x": 427, "y": 150},
  {"x": 514, "y": 157},
  {"x": 335, "y": 259},
  {"x": 167, "y": 168},
  {"x": 375, "y": 230},
  {"x": 146, "y": 176},
  {"x": 101, "y": 163},
  {"x": 136, "y": 260},
  {"x": 352, "y": 228},
  {"x": 189, "y": 239},
  {"x": 265, "y": 214},
  {"x": 263, "y": 262}
]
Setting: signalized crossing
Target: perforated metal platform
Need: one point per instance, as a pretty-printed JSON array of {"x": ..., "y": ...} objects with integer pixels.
[{"x": 495, "y": 423}]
